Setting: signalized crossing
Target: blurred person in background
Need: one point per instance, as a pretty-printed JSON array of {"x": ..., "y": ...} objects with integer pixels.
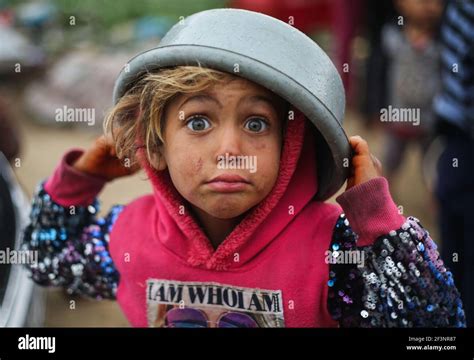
[
  {"x": 454, "y": 108},
  {"x": 412, "y": 51}
]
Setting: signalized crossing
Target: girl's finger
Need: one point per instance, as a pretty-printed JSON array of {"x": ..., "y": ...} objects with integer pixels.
[
  {"x": 377, "y": 163},
  {"x": 359, "y": 145}
]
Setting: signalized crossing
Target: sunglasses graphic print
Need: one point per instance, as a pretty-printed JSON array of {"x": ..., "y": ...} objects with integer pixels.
[
  {"x": 178, "y": 304},
  {"x": 195, "y": 318}
]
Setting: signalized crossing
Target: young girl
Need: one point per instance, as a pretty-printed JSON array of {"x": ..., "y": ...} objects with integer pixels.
[{"x": 235, "y": 234}]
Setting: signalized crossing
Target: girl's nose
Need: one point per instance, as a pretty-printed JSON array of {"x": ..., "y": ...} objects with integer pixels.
[{"x": 229, "y": 140}]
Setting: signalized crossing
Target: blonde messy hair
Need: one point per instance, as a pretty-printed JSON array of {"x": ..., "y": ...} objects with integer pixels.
[{"x": 137, "y": 119}]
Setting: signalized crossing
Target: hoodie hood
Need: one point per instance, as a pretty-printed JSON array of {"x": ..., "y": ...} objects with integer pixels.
[{"x": 296, "y": 185}]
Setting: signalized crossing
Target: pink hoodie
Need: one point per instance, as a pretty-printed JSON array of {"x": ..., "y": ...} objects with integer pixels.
[{"x": 271, "y": 268}]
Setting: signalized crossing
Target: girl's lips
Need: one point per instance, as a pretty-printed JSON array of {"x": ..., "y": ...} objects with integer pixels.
[
  {"x": 227, "y": 187},
  {"x": 228, "y": 183}
]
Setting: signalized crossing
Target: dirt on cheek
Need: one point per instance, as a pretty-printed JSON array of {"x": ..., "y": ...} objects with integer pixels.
[{"x": 198, "y": 165}]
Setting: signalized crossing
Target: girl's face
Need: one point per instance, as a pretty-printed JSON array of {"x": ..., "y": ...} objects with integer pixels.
[{"x": 222, "y": 146}]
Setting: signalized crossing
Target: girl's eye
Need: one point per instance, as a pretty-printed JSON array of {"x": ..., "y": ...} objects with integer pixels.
[
  {"x": 256, "y": 125},
  {"x": 198, "y": 123}
]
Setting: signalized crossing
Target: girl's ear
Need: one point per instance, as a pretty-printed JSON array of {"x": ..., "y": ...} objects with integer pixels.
[{"x": 158, "y": 161}]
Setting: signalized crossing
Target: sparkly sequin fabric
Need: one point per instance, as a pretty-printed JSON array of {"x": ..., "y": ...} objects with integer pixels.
[
  {"x": 399, "y": 281},
  {"x": 72, "y": 244}
]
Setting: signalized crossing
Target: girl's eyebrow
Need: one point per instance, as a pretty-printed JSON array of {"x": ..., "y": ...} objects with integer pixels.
[
  {"x": 201, "y": 98},
  {"x": 261, "y": 98}
]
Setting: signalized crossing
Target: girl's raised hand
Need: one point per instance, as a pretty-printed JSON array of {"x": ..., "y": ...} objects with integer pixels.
[
  {"x": 365, "y": 166},
  {"x": 101, "y": 160}
]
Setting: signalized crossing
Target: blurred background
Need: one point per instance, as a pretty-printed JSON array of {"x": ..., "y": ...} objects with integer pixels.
[{"x": 68, "y": 53}]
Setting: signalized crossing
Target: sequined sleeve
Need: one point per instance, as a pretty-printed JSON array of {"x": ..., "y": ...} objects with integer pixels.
[
  {"x": 72, "y": 246},
  {"x": 399, "y": 281}
]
